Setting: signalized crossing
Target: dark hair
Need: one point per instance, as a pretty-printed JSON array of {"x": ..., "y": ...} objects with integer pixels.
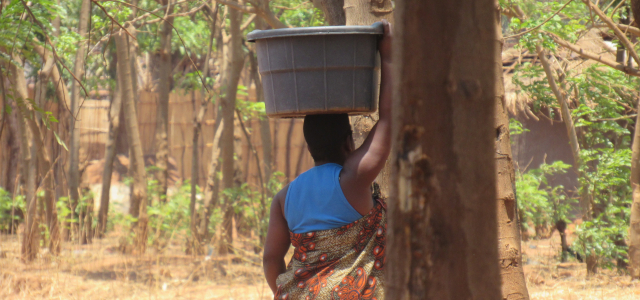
[{"x": 326, "y": 134}]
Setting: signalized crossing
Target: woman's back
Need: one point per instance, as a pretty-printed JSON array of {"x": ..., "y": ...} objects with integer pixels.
[{"x": 315, "y": 201}]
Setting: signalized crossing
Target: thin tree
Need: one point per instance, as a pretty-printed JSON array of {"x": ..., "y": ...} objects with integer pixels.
[
  {"x": 109, "y": 156},
  {"x": 199, "y": 112},
  {"x": 78, "y": 70},
  {"x": 131, "y": 119},
  {"x": 634, "y": 224},
  {"x": 442, "y": 233},
  {"x": 233, "y": 61},
  {"x": 164, "y": 74}
]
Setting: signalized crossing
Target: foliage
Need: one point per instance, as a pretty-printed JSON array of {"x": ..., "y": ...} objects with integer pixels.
[
  {"x": 602, "y": 101},
  {"x": 540, "y": 202},
  {"x": 249, "y": 203},
  {"x": 11, "y": 208}
]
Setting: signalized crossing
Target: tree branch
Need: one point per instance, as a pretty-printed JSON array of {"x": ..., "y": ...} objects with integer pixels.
[
  {"x": 191, "y": 12},
  {"x": 265, "y": 14},
  {"x": 589, "y": 55},
  {"x": 540, "y": 25},
  {"x": 623, "y": 38}
]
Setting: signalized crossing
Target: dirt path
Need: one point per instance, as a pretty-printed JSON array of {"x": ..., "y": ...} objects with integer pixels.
[{"x": 98, "y": 271}]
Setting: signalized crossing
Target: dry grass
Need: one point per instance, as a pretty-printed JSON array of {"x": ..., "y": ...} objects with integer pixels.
[
  {"x": 548, "y": 279},
  {"x": 97, "y": 271}
]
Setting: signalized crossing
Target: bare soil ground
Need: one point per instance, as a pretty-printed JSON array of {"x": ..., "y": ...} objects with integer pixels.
[
  {"x": 548, "y": 278},
  {"x": 99, "y": 271}
]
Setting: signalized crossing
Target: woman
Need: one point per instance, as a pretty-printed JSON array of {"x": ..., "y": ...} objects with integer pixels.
[{"x": 328, "y": 213}]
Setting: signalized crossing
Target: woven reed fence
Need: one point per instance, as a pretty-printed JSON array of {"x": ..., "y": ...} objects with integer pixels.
[{"x": 94, "y": 125}]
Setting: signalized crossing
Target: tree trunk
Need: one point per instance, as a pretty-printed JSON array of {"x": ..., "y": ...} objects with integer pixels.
[
  {"x": 367, "y": 12},
  {"x": 287, "y": 151},
  {"x": 265, "y": 125},
  {"x": 585, "y": 202},
  {"x": 10, "y": 157},
  {"x": 333, "y": 11},
  {"x": 162, "y": 114},
  {"x": 62, "y": 156},
  {"x": 442, "y": 235},
  {"x": 198, "y": 117},
  {"x": 78, "y": 70},
  {"x": 233, "y": 62},
  {"x": 30, "y": 240},
  {"x": 212, "y": 185},
  {"x": 634, "y": 224},
  {"x": 514, "y": 285},
  {"x": 131, "y": 120},
  {"x": 36, "y": 151},
  {"x": 109, "y": 156}
]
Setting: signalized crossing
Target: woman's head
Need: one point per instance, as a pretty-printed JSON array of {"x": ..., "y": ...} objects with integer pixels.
[{"x": 329, "y": 137}]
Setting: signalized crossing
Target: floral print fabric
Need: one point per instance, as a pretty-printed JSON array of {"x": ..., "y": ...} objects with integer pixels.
[{"x": 340, "y": 263}]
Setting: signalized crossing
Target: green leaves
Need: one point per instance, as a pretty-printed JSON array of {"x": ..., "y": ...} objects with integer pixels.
[{"x": 540, "y": 202}]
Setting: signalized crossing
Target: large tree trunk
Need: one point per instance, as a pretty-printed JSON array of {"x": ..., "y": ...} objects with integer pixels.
[
  {"x": 442, "y": 232},
  {"x": 514, "y": 285},
  {"x": 233, "y": 57},
  {"x": 78, "y": 70},
  {"x": 162, "y": 114},
  {"x": 131, "y": 119}
]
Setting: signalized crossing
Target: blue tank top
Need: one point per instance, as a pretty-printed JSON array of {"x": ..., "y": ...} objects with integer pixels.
[{"x": 315, "y": 201}]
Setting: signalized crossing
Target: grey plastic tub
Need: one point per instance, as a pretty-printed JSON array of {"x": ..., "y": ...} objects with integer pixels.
[{"x": 319, "y": 70}]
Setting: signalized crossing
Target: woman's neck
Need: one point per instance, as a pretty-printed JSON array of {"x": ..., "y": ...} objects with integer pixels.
[{"x": 324, "y": 162}]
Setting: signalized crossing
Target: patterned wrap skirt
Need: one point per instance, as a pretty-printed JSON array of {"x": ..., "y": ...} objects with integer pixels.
[{"x": 340, "y": 263}]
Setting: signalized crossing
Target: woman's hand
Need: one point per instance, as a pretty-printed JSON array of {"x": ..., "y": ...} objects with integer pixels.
[{"x": 386, "y": 41}]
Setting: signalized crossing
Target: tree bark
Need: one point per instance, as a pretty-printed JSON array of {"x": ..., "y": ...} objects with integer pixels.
[
  {"x": 30, "y": 240},
  {"x": 233, "y": 62},
  {"x": 162, "y": 115},
  {"x": 131, "y": 120},
  {"x": 514, "y": 285},
  {"x": 333, "y": 11},
  {"x": 38, "y": 152},
  {"x": 78, "y": 70},
  {"x": 212, "y": 185},
  {"x": 287, "y": 151},
  {"x": 265, "y": 126},
  {"x": 634, "y": 222},
  {"x": 634, "y": 228},
  {"x": 109, "y": 156},
  {"x": 442, "y": 235},
  {"x": 585, "y": 202}
]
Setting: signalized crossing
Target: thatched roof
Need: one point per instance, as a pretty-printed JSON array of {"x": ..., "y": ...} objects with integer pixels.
[{"x": 518, "y": 101}]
